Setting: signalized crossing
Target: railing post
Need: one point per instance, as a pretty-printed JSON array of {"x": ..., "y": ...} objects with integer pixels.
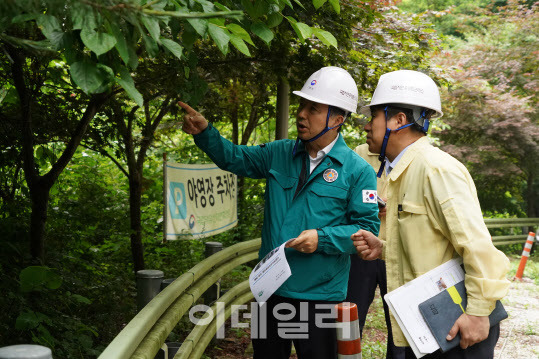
[
  {"x": 213, "y": 292},
  {"x": 25, "y": 351},
  {"x": 148, "y": 286}
]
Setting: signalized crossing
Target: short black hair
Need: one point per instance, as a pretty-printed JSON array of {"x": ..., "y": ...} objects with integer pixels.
[{"x": 337, "y": 111}]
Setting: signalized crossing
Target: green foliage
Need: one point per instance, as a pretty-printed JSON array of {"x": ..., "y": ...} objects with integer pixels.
[
  {"x": 491, "y": 108},
  {"x": 38, "y": 313},
  {"x": 90, "y": 257},
  {"x": 144, "y": 52},
  {"x": 450, "y": 17},
  {"x": 374, "y": 330},
  {"x": 36, "y": 278}
]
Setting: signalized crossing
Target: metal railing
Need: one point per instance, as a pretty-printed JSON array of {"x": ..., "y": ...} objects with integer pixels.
[
  {"x": 145, "y": 334},
  {"x": 513, "y": 223}
]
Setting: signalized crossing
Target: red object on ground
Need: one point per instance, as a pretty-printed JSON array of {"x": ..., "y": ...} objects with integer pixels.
[
  {"x": 348, "y": 334},
  {"x": 525, "y": 255}
]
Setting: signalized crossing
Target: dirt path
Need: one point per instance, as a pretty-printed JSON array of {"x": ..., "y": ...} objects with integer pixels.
[{"x": 519, "y": 337}]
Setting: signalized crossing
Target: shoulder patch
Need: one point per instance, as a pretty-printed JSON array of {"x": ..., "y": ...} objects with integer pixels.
[{"x": 369, "y": 196}]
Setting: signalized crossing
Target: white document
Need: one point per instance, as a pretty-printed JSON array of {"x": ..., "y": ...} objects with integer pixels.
[
  {"x": 269, "y": 274},
  {"x": 404, "y": 303}
]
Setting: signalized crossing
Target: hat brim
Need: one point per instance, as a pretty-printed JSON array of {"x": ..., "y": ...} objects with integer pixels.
[
  {"x": 314, "y": 99},
  {"x": 366, "y": 110}
]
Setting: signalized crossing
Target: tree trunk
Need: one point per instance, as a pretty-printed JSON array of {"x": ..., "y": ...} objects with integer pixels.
[
  {"x": 283, "y": 104},
  {"x": 135, "y": 169},
  {"x": 40, "y": 185},
  {"x": 251, "y": 124},
  {"x": 135, "y": 204},
  {"x": 39, "y": 194}
]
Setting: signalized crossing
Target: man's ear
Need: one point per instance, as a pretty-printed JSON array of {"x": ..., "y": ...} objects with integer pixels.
[
  {"x": 337, "y": 120},
  {"x": 400, "y": 118}
]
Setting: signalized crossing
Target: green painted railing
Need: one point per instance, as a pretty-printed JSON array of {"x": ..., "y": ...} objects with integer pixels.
[
  {"x": 515, "y": 223},
  {"x": 145, "y": 334}
]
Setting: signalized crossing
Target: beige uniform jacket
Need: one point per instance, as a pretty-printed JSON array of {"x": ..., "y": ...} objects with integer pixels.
[{"x": 433, "y": 215}]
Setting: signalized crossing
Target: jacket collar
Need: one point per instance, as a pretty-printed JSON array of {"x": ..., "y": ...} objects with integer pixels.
[
  {"x": 408, "y": 157},
  {"x": 338, "y": 152}
]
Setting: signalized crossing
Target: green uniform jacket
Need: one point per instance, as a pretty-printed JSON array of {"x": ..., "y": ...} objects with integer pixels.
[{"x": 336, "y": 209}]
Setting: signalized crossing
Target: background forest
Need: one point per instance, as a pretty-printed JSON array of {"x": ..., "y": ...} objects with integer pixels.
[{"x": 88, "y": 93}]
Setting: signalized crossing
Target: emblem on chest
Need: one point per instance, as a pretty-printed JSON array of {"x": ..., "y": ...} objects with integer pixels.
[{"x": 330, "y": 175}]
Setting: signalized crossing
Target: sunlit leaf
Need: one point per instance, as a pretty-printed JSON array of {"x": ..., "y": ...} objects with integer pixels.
[
  {"x": 303, "y": 31},
  {"x": 173, "y": 47},
  {"x": 326, "y": 37},
  {"x": 239, "y": 44},
  {"x": 318, "y": 3},
  {"x": 152, "y": 25},
  {"x": 200, "y": 25},
  {"x": 240, "y": 32},
  {"x": 262, "y": 31},
  {"x": 220, "y": 36},
  {"x": 336, "y": 6}
]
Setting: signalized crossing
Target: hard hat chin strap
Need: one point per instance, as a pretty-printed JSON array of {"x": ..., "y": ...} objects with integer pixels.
[
  {"x": 382, "y": 156},
  {"x": 326, "y": 129},
  {"x": 426, "y": 123}
]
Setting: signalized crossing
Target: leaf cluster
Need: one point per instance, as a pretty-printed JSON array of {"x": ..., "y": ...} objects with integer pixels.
[{"x": 491, "y": 107}]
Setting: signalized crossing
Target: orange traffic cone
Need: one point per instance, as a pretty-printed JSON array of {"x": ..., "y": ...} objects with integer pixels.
[
  {"x": 525, "y": 255},
  {"x": 348, "y": 334}
]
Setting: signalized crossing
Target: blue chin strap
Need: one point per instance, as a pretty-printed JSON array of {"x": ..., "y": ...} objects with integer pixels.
[
  {"x": 326, "y": 129},
  {"x": 382, "y": 156}
]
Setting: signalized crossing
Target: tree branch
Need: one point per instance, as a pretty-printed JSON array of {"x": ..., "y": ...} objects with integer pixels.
[
  {"x": 149, "y": 131},
  {"x": 251, "y": 124},
  {"x": 108, "y": 155},
  {"x": 96, "y": 101}
]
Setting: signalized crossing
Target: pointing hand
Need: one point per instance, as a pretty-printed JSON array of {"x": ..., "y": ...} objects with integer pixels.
[{"x": 193, "y": 123}]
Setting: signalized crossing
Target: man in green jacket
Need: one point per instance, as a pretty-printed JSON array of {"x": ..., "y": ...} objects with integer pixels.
[{"x": 319, "y": 192}]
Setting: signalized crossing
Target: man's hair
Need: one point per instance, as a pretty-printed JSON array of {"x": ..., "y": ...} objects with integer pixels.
[
  {"x": 337, "y": 111},
  {"x": 394, "y": 109}
]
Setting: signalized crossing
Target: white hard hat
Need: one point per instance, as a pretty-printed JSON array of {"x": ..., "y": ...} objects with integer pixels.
[
  {"x": 331, "y": 86},
  {"x": 406, "y": 87}
]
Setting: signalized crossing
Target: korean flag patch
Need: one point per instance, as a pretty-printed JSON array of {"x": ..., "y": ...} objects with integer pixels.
[{"x": 369, "y": 196}]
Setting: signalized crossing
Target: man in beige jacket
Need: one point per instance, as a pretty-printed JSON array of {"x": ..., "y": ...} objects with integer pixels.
[{"x": 433, "y": 213}]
